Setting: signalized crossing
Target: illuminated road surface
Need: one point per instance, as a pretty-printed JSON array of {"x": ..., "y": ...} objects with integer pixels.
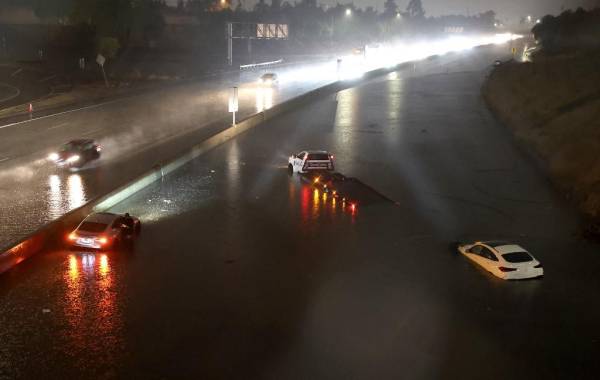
[
  {"x": 33, "y": 191},
  {"x": 143, "y": 130},
  {"x": 244, "y": 272}
]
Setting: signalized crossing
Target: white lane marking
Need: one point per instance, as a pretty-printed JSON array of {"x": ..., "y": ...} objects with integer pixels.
[
  {"x": 4, "y": 159},
  {"x": 63, "y": 113},
  {"x": 58, "y": 126},
  {"x": 16, "y": 93},
  {"x": 47, "y": 78},
  {"x": 16, "y": 72}
]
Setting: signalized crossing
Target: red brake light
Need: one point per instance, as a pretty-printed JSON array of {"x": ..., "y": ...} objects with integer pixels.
[
  {"x": 72, "y": 236},
  {"x": 504, "y": 269},
  {"x": 102, "y": 240}
]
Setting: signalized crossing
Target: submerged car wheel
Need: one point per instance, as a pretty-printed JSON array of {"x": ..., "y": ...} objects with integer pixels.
[{"x": 290, "y": 169}]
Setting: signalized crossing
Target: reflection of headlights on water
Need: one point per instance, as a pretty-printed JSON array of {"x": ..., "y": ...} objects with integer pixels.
[
  {"x": 74, "y": 158},
  {"x": 53, "y": 156}
]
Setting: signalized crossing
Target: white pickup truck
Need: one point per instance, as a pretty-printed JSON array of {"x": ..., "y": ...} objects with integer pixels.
[{"x": 310, "y": 160}]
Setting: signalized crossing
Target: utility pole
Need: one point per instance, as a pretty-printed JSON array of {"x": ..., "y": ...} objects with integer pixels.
[{"x": 230, "y": 44}]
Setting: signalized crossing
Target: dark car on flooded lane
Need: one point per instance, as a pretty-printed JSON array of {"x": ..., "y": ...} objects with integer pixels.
[
  {"x": 105, "y": 230},
  {"x": 76, "y": 153}
]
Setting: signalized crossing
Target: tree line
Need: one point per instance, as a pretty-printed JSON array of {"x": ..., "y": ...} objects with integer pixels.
[
  {"x": 116, "y": 23},
  {"x": 569, "y": 31}
]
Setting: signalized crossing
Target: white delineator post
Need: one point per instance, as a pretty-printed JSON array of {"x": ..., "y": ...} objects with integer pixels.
[
  {"x": 233, "y": 102},
  {"x": 100, "y": 61}
]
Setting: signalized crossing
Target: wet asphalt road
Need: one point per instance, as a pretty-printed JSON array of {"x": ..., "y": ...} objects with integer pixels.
[
  {"x": 242, "y": 271},
  {"x": 148, "y": 129}
]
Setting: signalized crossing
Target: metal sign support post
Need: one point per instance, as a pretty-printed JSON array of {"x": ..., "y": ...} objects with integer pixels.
[{"x": 250, "y": 31}]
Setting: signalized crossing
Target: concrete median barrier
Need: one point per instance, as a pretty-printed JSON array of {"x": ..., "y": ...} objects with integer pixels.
[{"x": 54, "y": 233}]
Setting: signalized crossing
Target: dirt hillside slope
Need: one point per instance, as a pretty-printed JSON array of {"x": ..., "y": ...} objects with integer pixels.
[{"x": 553, "y": 105}]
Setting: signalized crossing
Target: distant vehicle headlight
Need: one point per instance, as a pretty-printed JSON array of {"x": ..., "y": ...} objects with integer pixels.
[
  {"x": 53, "y": 156},
  {"x": 260, "y": 80},
  {"x": 74, "y": 158},
  {"x": 268, "y": 81}
]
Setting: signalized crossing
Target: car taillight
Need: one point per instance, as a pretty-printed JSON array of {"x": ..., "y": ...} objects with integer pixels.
[
  {"x": 504, "y": 269},
  {"x": 538, "y": 266},
  {"x": 72, "y": 236},
  {"x": 102, "y": 240}
]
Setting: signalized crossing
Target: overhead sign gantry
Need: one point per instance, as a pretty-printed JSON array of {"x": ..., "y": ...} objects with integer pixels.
[{"x": 253, "y": 31}]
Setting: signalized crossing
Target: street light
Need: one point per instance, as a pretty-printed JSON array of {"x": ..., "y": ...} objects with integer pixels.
[
  {"x": 348, "y": 12},
  {"x": 398, "y": 16}
]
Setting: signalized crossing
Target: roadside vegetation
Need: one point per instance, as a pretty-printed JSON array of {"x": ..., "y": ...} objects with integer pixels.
[
  {"x": 193, "y": 31},
  {"x": 553, "y": 103}
]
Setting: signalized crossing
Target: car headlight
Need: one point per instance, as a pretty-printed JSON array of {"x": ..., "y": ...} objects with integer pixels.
[
  {"x": 74, "y": 158},
  {"x": 268, "y": 81},
  {"x": 53, "y": 156},
  {"x": 260, "y": 80}
]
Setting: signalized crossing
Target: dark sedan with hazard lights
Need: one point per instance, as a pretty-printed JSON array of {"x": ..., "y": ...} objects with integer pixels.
[
  {"x": 76, "y": 153},
  {"x": 105, "y": 230}
]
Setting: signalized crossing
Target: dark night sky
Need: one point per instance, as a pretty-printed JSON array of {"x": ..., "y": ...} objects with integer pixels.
[{"x": 504, "y": 8}]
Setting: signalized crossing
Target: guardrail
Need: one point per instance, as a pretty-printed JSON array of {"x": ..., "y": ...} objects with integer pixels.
[{"x": 260, "y": 65}]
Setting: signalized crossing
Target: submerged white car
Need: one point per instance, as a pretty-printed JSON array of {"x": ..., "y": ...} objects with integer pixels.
[
  {"x": 311, "y": 160},
  {"x": 505, "y": 260}
]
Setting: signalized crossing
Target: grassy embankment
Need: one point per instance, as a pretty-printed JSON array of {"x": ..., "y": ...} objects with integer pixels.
[{"x": 553, "y": 105}]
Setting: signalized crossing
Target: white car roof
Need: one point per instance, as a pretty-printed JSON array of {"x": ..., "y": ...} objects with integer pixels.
[
  {"x": 317, "y": 151},
  {"x": 102, "y": 217},
  {"x": 508, "y": 248}
]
